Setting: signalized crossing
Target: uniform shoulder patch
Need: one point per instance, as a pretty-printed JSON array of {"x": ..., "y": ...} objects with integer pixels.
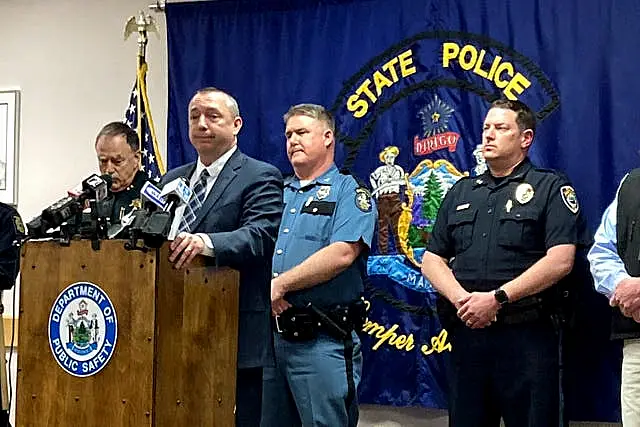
[
  {"x": 569, "y": 198},
  {"x": 363, "y": 199},
  {"x": 18, "y": 224}
]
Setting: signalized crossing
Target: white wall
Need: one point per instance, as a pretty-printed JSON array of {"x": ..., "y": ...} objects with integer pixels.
[{"x": 75, "y": 71}]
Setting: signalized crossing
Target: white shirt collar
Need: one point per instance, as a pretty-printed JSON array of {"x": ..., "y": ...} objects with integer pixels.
[{"x": 214, "y": 168}]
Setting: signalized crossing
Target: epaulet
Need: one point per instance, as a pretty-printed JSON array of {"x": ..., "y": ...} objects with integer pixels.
[
  {"x": 467, "y": 178},
  {"x": 553, "y": 172},
  {"x": 547, "y": 170},
  {"x": 361, "y": 183}
]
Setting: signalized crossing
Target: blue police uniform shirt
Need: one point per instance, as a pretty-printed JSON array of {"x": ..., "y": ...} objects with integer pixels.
[
  {"x": 332, "y": 208},
  {"x": 607, "y": 268}
]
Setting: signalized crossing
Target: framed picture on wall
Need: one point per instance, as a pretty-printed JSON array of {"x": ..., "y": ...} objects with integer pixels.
[{"x": 9, "y": 134}]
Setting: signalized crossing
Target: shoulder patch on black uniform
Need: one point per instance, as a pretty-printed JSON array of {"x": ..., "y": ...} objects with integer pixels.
[
  {"x": 18, "y": 224},
  {"x": 569, "y": 198},
  {"x": 363, "y": 199}
]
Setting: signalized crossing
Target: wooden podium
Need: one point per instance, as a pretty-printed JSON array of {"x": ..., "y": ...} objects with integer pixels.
[{"x": 174, "y": 361}]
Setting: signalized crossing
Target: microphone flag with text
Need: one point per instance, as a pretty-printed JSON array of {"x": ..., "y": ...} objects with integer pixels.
[{"x": 157, "y": 227}]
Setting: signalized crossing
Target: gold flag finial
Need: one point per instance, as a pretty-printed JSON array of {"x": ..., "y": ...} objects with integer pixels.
[{"x": 141, "y": 24}]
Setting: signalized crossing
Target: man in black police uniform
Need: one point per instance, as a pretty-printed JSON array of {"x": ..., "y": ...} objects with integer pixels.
[
  {"x": 500, "y": 240},
  {"x": 11, "y": 233},
  {"x": 118, "y": 150}
]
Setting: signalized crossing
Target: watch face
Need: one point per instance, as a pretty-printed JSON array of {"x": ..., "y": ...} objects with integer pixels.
[{"x": 501, "y": 296}]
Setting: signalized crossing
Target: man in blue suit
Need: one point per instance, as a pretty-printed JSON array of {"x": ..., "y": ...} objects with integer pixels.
[{"x": 233, "y": 217}]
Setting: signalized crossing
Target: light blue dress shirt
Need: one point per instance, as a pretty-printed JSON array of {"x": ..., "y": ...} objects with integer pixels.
[{"x": 607, "y": 268}]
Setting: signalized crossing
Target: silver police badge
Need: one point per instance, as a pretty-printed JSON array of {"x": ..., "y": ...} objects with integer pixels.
[
  {"x": 323, "y": 192},
  {"x": 524, "y": 193},
  {"x": 569, "y": 198}
]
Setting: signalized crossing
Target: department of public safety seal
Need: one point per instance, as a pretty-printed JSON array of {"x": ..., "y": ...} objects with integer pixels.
[{"x": 83, "y": 329}]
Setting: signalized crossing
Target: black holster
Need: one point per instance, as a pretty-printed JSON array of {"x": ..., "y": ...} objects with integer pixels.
[{"x": 304, "y": 323}]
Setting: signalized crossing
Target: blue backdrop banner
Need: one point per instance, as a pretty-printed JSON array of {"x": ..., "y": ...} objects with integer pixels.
[{"x": 409, "y": 82}]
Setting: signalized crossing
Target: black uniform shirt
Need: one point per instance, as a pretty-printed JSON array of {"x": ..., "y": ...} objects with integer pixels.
[
  {"x": 123, "y": 201},
  {"x": 496, "y": 228},
  {"x": 11, "y": 232}
]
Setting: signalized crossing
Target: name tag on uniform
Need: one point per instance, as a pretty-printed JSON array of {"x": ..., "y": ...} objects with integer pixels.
[
  {"x": 463, "y": 206},
  {"x": 318, "y": 207}
]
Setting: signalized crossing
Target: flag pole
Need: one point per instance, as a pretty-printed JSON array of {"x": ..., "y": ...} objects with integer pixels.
[
  {"x": 143, "y": 24},
  {"x": 140, "y": 24}
]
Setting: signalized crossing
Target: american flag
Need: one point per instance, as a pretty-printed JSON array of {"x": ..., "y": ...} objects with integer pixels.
[{"x": 151, "y": 162}]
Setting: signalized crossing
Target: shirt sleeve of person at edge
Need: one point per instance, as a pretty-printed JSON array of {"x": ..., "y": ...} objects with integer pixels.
[
  {"x": 355, "y": 215},
  {"x": 607, "y": 268},
  {"x": 561, "y": 222}
]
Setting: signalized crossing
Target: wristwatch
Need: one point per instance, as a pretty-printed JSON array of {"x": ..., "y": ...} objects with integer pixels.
[{"x": 501, "y": 296}]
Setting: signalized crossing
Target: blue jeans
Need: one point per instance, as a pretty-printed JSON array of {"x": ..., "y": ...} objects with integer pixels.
[{"x": 312, "y": 384}]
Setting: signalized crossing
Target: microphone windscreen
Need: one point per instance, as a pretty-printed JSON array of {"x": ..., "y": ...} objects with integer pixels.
[{"x": 108, "y": 179}]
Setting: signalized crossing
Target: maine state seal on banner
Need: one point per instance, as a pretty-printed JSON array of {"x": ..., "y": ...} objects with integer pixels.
[{"x": 83, "y": 329}]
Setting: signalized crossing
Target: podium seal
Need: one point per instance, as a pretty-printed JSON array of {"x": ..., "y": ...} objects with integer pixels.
[{"x": 83, "y": 329}]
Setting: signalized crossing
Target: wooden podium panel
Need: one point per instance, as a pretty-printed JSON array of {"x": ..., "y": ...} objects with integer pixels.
[
  {"x": 196, "y": 345},
  {"x": 121, "y": 394},
  {"x": 175, "y": 357}
]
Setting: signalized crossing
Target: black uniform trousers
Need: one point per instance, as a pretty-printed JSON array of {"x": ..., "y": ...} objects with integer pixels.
[
  {"x": 248, "y": 397},
  {"x": 508, "y": 371}
]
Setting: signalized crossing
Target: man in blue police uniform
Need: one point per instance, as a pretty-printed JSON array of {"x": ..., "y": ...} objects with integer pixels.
[
  {"x": 500, "y": 242},
  {"x": 12, "y": 232},
  {"x": 615, "y": 266},
  {"x": 232, "y": 219},
  {"x": 318, "y": 267}
]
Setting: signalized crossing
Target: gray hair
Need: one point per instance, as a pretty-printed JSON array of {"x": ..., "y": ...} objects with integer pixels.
[
  {"x": 118, "y": 128},
  {"x": 232, "y": 104},
  {"x": 314, "y": 111}
]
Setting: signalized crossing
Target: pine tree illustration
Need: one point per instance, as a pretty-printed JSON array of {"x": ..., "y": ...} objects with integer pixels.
[
  {"x": 82, "y": 334},
  {"x": 432, "y": 199}
]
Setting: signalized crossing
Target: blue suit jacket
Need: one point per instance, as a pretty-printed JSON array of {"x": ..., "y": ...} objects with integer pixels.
[{"x": 241, "y": 215}]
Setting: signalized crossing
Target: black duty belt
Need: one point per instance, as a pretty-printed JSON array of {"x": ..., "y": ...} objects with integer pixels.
[
  {"x": 529, "y": 309},
  {"x": 304, "y": 323}
]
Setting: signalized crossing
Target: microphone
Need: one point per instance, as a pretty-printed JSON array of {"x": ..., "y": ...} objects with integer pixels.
[
  {"x": 157, "y": 227},
  {"x": 136, "y": 219},
  {"x": 36, "y": 228},
  {"x": 176, "y": 192},
  {"x": 153, "y": 195},
  {"x": 60, "y": 212},
  {"x": 65, "y": 209},
  {"x": 96, "y": 187}
]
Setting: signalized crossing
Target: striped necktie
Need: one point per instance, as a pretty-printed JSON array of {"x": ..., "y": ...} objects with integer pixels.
[{"x": 197, "y": 199}]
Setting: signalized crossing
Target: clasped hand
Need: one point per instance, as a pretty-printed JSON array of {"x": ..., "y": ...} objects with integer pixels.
[
  {"x": 627, "y": 298},
  {"x": 477, "y": 309}
]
